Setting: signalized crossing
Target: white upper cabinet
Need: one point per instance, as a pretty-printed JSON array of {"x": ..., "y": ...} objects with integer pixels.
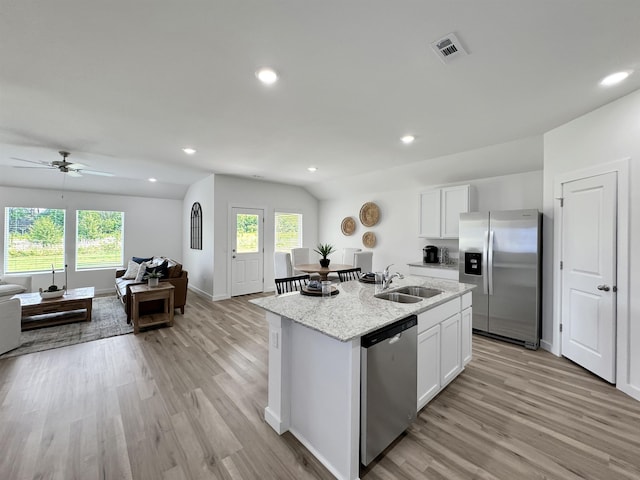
[{"x": 440, "y": 211}]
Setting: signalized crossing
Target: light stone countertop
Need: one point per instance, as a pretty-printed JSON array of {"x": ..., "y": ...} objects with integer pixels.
[
  {"x": 355, "y": 311},
  {"x": 448, "y": 266}
]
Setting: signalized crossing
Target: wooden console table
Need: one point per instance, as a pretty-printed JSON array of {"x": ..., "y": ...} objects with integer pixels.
[
  {"x": 145, "y": 293},
  {"x": 50, "y": 311}
]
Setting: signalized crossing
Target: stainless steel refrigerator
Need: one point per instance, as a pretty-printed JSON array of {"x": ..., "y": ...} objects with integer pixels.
[{"x": 500, "y": 253}]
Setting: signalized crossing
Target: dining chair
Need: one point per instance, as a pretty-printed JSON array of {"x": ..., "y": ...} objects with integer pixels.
[
  {"x": 351, "y": 274},
  {"x": 348, "y": 255},
  {"x": 299, "y": 256},
  {"x": 364, "y": 260},
  {"x": 291, "y": 284},
  {"x": 282, "y": 266}
]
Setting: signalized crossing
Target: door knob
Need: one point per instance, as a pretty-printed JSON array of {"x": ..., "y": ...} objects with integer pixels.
[{"x": 604, "y": 287}]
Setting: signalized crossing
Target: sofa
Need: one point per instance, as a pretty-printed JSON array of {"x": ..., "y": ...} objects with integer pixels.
[
  {"x": 10, "y": 327},
  {"x": 172, "y": 273},
  {"x": 9, "y": 286}
]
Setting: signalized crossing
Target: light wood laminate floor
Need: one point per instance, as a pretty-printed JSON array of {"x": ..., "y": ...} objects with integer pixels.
[{"x": 187, "y": 403}]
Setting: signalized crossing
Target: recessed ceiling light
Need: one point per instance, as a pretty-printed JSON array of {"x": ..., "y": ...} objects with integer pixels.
[
  {"x": 153, "y": 180},
  {"x": 407, "y": 139},
  {"x": 267, "y": 76},
  {"x": 189, "y": 150},
  {"x": 614, "y": 78},
  {"x": 312, "y": 169}
]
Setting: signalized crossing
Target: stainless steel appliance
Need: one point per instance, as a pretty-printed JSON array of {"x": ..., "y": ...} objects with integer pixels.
[
  {"x": 500, "y": 252},
  {"x": 388, "y": 385},
  {"x": 430, "y": 254}
]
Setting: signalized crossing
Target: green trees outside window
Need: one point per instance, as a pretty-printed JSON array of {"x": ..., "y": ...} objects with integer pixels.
[
  {"x": 34, "y": 239},
  {"x": 288, "y": 232},
  {"x": 99, "y": 239}
]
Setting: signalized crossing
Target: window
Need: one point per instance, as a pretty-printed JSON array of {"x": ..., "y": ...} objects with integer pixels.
[
  {"x": 33, "y": 240},
  {"x": 247, "y": 233},
  {"x": 288, "y": 231},
  {"x": 196, "y": 226},
  {"x": 99, "y": 239}
]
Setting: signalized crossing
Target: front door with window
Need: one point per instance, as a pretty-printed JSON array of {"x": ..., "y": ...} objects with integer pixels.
[{"x": 247, "y": 252}]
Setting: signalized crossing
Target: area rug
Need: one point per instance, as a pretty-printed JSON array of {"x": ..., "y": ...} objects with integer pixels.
[{"x": 108, "y": 319}]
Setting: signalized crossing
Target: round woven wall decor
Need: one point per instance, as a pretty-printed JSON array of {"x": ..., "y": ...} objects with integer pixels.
[
  {"x": 369, "y": 214},
  {"x": 369, "y": 239},
  {"x": 348, "y": 226}
]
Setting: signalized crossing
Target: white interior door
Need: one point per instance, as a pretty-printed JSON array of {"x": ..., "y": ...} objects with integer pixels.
[
  {"x": 589, "y": 273},
  {"x": 247, "y": 251}
]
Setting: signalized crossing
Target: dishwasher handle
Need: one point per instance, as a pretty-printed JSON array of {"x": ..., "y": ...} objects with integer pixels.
[{"x": 389, "y": 332}]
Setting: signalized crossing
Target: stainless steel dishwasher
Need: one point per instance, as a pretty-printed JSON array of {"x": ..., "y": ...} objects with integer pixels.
[{"x": 388, "y": 385}]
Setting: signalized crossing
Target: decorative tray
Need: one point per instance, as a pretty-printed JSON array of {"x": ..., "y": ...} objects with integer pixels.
[
  {"x": 317, "y": 293},
  {"x": 49, "y": 295},
  {"x": 364, "y": 279}
]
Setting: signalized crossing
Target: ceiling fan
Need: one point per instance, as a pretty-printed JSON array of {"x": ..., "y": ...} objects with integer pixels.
[{"x": 70, "y": 168}]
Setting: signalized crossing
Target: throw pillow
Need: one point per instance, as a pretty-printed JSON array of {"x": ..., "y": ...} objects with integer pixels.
[
  {"x": 141, "y": 259},
  {"x": 132, "y": 270},
  {"x": 162, "y": 269},
  {"x": 141, "y": 272}
]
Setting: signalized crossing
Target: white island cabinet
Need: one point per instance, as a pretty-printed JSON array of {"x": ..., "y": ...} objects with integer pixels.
[{"x": 314, "y": 360}]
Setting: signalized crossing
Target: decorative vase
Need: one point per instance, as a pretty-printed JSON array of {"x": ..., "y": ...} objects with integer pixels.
[
  {"x": 153, "y": 281},
  {"x": 324, "y": 262}
]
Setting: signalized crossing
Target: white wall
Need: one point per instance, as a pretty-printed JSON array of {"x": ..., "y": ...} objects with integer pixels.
[
  {"x": 199, "y": 263},
  {"x": 241, "y": 192},
  {"x": 397, "y": 230},
  {"x": 151, "y": 227},
  {"x": 607, "y": 134}
]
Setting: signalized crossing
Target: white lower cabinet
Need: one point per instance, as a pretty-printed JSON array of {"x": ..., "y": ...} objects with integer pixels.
[
  {"x": 450, "y": 358},
  {"x": 428, "y": 365},
  {"x": 466, "y": 335},
  {"x": 444, "y": 346}
]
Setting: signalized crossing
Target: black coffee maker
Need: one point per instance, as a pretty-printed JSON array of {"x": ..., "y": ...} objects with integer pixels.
[{"x": 430, "y": 254}]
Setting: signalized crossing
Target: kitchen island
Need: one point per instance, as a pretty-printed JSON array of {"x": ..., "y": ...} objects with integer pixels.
[{"x": 314, "y": 359}]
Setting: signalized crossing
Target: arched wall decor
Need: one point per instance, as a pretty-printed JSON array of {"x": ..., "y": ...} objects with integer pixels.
[{"x": 196, "y": 226}]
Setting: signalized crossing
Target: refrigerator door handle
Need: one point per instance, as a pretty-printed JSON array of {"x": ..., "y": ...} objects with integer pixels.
[
  {"x": 485, "y": 249},
  {"x": 490, "y": 263}
]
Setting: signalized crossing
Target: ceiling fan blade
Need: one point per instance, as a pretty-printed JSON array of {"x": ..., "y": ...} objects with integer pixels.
[
  {"x": 44, "y": 167},
  {"x": 37, "y": 162},
  {"x": 73, "y": 173},
  {"x": 76, "y": 166},
  {"x": 102, "y": 174}
]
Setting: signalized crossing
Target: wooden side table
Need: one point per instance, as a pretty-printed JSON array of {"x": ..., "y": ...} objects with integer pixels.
[{"x": 145, "y": 293}]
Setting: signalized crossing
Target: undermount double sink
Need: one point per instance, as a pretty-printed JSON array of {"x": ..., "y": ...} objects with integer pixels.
[{"x": 411, "y": 294}]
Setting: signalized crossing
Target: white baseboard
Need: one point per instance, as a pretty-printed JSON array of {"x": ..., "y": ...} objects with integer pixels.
[
  {"x": 548, "y": 347},
  {"x": 217, "y": 298},
  {"x": 199, "y": 292}
]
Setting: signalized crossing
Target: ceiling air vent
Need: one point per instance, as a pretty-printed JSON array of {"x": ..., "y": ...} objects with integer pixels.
[{"x": 448, "y": 48}]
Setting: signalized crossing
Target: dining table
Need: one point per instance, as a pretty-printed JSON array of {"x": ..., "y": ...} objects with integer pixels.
[{"x": 320, "y": 270}]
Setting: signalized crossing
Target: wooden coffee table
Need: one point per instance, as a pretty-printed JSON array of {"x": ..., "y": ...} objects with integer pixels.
[{"x": 39, "y": 312}]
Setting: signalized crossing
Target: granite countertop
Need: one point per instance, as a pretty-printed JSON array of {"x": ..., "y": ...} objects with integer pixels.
[
  {"x": 446, "y": 266},
  {"x": 355, "y": 311}
]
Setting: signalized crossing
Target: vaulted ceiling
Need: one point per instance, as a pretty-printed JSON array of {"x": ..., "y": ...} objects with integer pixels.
[{"x": 125, "y": 85}]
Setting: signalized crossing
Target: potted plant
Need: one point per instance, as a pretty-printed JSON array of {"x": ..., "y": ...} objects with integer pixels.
[
  {"x": 154, "y": 278},
  {"x": 324, "y": 249}
]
